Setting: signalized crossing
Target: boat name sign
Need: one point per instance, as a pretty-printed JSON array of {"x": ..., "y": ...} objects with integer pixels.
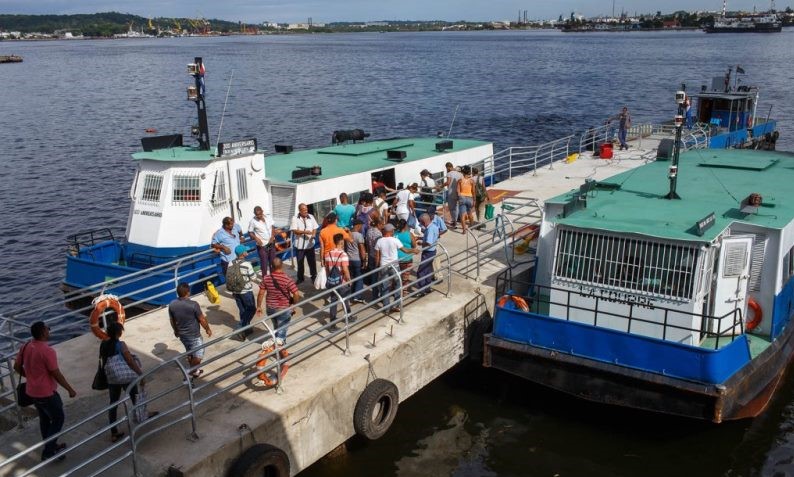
[
  {"x": 617, "y": 297},
  {"x": 149, "y": 213},
  {"x": 237, "y": 148}
]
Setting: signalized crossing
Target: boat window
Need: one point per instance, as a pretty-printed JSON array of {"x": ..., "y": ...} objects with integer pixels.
[
  {"x": 283, "y": 204},
  {"x": 187, "y": 189},
  {"x": 242, "y": 184},
  {"x": 660, "y": 269},
  {"x": 152, "y": 185},
  {"x": 218, "y": 198},
  {"x": 355, "y": 196},
  {"x": 788, "y": 265}
]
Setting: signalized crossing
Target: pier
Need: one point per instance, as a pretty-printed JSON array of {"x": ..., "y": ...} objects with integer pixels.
[{"x": 220, "y": 421}]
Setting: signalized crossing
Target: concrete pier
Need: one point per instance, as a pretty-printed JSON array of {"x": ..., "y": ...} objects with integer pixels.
[{"x": 312, "y": 412}]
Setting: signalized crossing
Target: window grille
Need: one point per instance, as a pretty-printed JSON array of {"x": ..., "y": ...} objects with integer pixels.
[
  {"x": 242, "y": 184},
  {"x": 283, "y": 204},
  {"x": 219, "y": 189},
  {"x": 152, "y": 185},
  {"x": 660, "y": 269},
  {"x": 187, "y": 189}
]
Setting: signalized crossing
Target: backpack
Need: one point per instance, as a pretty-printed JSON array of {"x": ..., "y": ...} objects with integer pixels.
[
  {"x": 334, "y": 277},
  {"x": 235, "y": 280},
  {"x": 479, "y": 190}
]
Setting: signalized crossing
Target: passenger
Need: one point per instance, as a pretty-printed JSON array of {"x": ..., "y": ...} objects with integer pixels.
[
  {"x": 304, "y": 227},
  {"x": 363, "y": 208},
  {"x": 328, "y": 232},
  {"x": 107, "y": 349},
  {"x": 356, "y": 251},
  {"x": 465, "y": 198},
  {"x": 480, "y": 192},
  {"x": 262, "y": 230},
  {"x": 424, "y": 274},
  {"x": 337, "y": 270},
  {"x": 243, "y": 292},
  {"x": 37, "y": 362},
  {"x": 404, "y": 204},
  {"x": 277, "y": 291},
  {"x": 371, "y": 238},
  {"x": 451, "y": 185},
  {"x": 225, "y": 240},
  {"x": 186, "y": 317},
  {"x": 344, "y": 211},
  {"x": 408, "y": 241},
  {"x": 386, "y": 256},
  {"x": 382, "y": 205},
  {"x": 624, "y": 118},
  {"x": 427, "y": 187},
  {"x": 442, "y": 227}
]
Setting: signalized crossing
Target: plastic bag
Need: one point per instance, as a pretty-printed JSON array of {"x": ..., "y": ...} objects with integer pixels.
[
  {"x": 489, "y": 210},
  {"x": 319, "y": 282}
]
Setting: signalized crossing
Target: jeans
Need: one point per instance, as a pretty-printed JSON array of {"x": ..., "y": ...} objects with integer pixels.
[
  {"x": 452, "y": 203},
  {"x": 371, "y": 279},
  {"x": 309, "y": 255},
  {"x": 622, "y": 137},
  {"x": 388, "y": 288},
  {"x": 343, "y": 292},
  {"x": 355, "y": 271},
  {"x": 247, "y": 306},
  {"x": 51, "y": 419},
  {"x": 465, "y": 205},
  {"x": 281, "y": 319},
  {"x": 115, "y": 393},
  {"x": 266, "y": 256},
  {"x": 424, "y": 274}
]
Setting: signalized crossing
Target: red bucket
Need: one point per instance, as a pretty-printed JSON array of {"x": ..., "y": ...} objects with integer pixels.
[{"x": 606, "y": 151}]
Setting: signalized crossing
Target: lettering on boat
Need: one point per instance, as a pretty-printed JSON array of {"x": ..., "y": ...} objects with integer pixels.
[
  {"x": 149, "y": 213},
  {"x": 237, "y": 148},
  {"x": 617, "y": 297}
]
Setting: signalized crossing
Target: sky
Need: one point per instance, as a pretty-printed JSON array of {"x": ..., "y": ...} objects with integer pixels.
[{"x": 286, "y": 11}]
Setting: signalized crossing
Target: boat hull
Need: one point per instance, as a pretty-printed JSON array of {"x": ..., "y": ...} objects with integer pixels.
[
  {"x": 758, "y": 28},
  {"x": 745, "y": 394}
]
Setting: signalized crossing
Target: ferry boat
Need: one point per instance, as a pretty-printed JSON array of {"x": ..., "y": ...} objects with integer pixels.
[
  {"x": 10, "y": 59},
  {"x": 180, "y": 194},
  {"x": 667, "y": 288},
  {"x": 748, "y": 23}
]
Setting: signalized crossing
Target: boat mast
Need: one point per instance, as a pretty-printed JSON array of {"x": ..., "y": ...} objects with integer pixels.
[
  {"x": 680, "y": 98},
  {"x": 196, "y": 94},
  {"x": 724, "y": 7}
]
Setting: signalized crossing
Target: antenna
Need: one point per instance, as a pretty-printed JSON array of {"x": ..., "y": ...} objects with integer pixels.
[
  {"x": 680, "y": 98},
  {"x": 453, "y": 120},
  {"x": 195, "y": 93},
  {"x": 225, "y": 102}
]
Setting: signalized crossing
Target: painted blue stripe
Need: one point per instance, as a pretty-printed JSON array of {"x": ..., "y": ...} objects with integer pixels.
[{"x": 619, "y": 348}]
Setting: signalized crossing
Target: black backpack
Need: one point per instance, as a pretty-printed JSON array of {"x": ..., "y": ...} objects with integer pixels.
[{"x": 334, "y": 275}]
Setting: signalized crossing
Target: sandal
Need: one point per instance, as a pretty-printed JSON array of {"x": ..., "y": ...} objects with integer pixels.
[
  {"x": 196, "y": 374},
  {"x": 115, "y": 437}
]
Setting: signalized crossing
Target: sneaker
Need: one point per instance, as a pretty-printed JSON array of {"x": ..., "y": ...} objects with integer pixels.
[
  {"x": 279, "y": 342},
  {"x": 358, "y": 300},
  {"x": 268, "y": 344}
]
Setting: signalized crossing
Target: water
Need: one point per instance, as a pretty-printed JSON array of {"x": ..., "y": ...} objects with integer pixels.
[{"x": 74, "y": 111}]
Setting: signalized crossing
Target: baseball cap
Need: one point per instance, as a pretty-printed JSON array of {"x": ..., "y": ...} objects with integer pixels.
[
  {"x": 240, "y": 249},
  {"x": 388, "y": 228}
]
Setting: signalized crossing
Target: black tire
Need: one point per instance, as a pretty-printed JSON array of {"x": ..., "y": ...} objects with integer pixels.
[
  {"x": 376, "y": 409},
  {"x": 261, "y": 460}
]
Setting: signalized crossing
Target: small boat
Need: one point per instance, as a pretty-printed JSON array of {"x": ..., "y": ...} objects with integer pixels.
[
  {"x": 180, "y": 194},
  {"x": 10, "y": 59},
  {"x": 667, "y": 288}
]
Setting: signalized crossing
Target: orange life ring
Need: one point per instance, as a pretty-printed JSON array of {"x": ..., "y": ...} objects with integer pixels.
[
  {"x": 284, "y": 244},
  {"x": 519, "y": 302},
  {"x": 101, "y": 303},
  {"x": 758, "y": 314},
  {"x": 262, "y": 362}
]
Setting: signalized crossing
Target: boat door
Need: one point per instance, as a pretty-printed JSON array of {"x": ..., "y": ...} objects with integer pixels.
[
  {"x": 386, "y": 177},
  {"x": 732, "y": 277}
]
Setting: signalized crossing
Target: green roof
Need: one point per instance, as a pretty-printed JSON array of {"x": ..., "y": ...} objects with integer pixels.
[
  {"x": 177, "y": 154},
  {"x": 337, "y": 161},
  {"x": 709, "y": 181}
]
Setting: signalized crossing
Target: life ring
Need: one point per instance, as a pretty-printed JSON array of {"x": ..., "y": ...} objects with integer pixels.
[
  {"x": 102, "y": 303},
  {"x": 758, "y": 314},
  {"x": 262, "y": 362},
  {"x": 376, "y": 409},
  {"x": 519, "y": 302},
  {"x": 282, "y": 244},
  {"x": 261, "y": 459},
  {"x": 749, "y": 121}
]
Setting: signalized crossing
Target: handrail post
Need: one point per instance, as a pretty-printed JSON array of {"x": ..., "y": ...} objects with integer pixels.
[
  {"x": 346, "y": 352},
  {"x": 535, "y": 167},
  {"x": 399, "y": 300},
  {"x": 191, "y": 397},
  {"x": 551, "y": 156},
  {"x": 449, "y": 268},
  {"x": 131, "y": 430},
  {"x": 510, "y": 163}
]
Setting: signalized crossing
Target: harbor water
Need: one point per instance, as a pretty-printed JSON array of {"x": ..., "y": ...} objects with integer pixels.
[{"x": 74, "y": 111}]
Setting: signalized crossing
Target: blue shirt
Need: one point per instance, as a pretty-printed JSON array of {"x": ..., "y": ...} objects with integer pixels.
[
  {"x": 230, "y": 240},
  {"x": 405, "y": 238},
  {"x": 439, "y": 223},
  {"x": 344, "y": 213},
  {"x": 431, "y": 237}
]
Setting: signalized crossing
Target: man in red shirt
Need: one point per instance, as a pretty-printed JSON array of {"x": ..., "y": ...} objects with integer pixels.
[
  {"x": 38, "y": 363},
  {"x": 276, "y": 290}
]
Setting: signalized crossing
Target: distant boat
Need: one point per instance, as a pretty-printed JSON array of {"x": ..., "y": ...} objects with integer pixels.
[
  {"x": 10, "y": 59},
  {"x": 762, "y": 23}
]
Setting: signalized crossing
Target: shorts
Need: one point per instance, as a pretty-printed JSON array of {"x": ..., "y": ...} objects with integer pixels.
[
  {"x": 193, "y": 344},
  {"x": 465, "y": 204}
]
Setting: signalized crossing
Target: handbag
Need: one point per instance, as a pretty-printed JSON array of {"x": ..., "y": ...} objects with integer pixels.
[
  {"x": 22, "y": 396},
  {"x": 100, "y": 381},
  {"x": 117, "y": 369},
  {"x": 139, "y": 413}
]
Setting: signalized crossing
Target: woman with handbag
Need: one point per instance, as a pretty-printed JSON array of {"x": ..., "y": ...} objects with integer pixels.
[{"x": 121, "y": 368}]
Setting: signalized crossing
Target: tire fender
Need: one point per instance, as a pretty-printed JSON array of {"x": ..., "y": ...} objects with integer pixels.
[
  {"x": 260, "y": 459},
  {"x": 376, "y": 409}
]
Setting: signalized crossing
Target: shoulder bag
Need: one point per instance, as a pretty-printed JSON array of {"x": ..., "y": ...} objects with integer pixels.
[
  {"x": 100, "y": 382},
  {"x": 117, "y": 369},
  {"x": 22, "y": 396}
]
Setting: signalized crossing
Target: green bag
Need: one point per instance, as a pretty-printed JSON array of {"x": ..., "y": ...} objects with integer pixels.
[{"x": 489, "y": 211}]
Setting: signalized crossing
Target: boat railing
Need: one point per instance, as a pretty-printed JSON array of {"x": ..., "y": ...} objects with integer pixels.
[
  {"x": 539, "y": 298},
  {"x": 518, "y": 160},
  {"x": 77, "y": 242}
]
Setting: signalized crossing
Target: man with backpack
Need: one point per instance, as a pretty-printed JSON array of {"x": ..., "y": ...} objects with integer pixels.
[
  {"x": 239, "y": 275},
  {"x": 337, "y": 271}
]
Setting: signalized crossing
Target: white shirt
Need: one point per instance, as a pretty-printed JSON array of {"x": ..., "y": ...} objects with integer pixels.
[
  {"x": 304, "y": 242},
  {"x": 402, "y": 201},
  {"x": 382, "y": 206},
  {"x": 261, "y": 228},
  {"x": 388, "y": 246}
]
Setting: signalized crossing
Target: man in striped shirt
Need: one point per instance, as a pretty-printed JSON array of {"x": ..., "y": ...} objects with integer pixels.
[{"x": 276, "y": 290}]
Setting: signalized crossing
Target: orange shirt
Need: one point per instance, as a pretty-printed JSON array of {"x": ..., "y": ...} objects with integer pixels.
[
  {"x": 327, "y": 236},
  {"x": 466, "y": 187}
]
